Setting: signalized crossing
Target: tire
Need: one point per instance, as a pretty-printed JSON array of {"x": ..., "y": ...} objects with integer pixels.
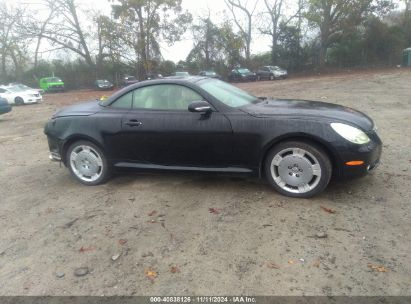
[
  {"x": 272, "y": 77},
  {"x": 258, "y": 78},
  {"x": 18, "y": 101},
  {"x": 87, "y": 163},
  {"x": 298, "y": 169}
]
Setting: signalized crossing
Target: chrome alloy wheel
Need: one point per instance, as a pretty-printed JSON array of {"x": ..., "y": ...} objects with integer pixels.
[
  {"x": 86, "y": 163},
  {"x": 295, "y": 170}
]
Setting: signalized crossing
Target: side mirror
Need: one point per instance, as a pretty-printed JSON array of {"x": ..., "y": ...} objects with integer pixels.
[{"x": 200, "y": 107}]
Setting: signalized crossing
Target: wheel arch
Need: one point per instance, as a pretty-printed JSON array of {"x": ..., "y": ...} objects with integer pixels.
[
  {"x": 18, "y": 97},
  {"x": 303, "y": 137},
  {"x": 77, "y": 137}
]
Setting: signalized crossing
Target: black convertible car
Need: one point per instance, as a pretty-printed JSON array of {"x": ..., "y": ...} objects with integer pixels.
[
  {"x": 203, "y": 124},
  {"x": 4, "y": 106}
]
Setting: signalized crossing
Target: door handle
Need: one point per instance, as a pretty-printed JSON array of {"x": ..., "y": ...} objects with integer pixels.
[{"x": 133, "y": 123}]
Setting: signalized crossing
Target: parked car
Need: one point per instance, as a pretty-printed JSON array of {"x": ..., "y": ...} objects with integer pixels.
[
  {"x": 271, "y": 73},
  {"x": 52, "y": 84},
  {"x": 151, "y": 76},
  {"x": 210, "y": 74},
  {"x": 4, "y": 106},
  {"x": 129, "y": 80},
  {"x": 203, "y": 124},
  {"x": 24, "y": 87},
  {"x": 241, "y": 74},
  {"x": 103, "y": 84},
  {"x": 182, "y": 74},
  {"x": 18, "y": 96}
]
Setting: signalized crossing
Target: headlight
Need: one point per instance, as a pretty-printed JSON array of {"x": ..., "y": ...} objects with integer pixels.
[{"x": 351, "y": 134}]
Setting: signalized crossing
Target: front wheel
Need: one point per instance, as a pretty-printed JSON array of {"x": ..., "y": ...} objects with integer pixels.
[
  {"x": 298, "y": 169},
  {"x": 87, "y": 163},
  {"x": 19, "y": 101}
]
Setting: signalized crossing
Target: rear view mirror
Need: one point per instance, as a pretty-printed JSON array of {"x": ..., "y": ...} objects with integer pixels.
[{"x": 200, "y": 107}]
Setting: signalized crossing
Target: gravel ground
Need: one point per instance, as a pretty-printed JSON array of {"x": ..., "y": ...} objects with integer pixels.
[{"x": 146, "y": 234}]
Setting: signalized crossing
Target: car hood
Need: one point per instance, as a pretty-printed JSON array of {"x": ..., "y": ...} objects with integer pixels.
[
  {"x": 306, "y": 109},
  {"x": 32, "y": 91},
  {"x": 82, "y": 109}
]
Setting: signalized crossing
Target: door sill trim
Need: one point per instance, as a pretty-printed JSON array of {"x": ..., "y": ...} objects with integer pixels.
[{"x": 181, "y": 168}]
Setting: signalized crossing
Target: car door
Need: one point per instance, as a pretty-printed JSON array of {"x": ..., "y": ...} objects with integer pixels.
[
  {"x": 235, "y": 75},
  {"x": 160, "y": 130},
  {"x": 265, "y": 72}
]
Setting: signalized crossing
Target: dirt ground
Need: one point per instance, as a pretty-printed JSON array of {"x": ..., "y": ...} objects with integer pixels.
[{"x": 154, "y": 234}]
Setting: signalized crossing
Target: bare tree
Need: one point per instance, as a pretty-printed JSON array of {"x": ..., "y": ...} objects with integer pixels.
[
  {"x": 333, "y": 18},
  {"x": 141, "y": 24},
  {"x": 275, "y": 10},
  {"x": 236, "y": 6},
  {"x": 63, "y": 28},
  {"x": 11, "y": 47},
  {"x": 407, "y": 11},
  {"x": 42, "y": 27}
]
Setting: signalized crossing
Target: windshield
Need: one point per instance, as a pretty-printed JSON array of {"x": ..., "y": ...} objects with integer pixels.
[
  {"x": 102, "y": 81},
  {"x": 53, "y": 79},
  {"x": 23, "y": 87},
  {"x": 15, "y": 89},
  {"x": 227, "y": 94},
  {"x": 244, "y": 71}
]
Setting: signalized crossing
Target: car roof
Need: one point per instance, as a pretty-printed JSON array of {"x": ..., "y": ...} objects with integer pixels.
[
  {"x": 51, "y": 77},
  {"x": 179, "y": 79}
]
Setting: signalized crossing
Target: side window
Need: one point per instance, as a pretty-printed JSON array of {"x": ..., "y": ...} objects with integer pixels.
[
  {"x": 180, "y": 97},
  {"x": 123, "y": 102},
  {"x": 164, "y": 97}
]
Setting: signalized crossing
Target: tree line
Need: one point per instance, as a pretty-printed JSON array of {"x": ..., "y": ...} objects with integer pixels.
[{"x": 304, "y": 35}]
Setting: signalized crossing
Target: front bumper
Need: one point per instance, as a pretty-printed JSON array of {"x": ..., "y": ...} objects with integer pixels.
[
  {"x": 107, "y": 88},
  {"x": 369, "y": 154},
  {"x": 54, "y": 143},
  {"x": 33, "y": 100},
  {"x": 249, "y": 78},
  {"x": 56, "y": 88},
  {"x": 54, "y": 156}
]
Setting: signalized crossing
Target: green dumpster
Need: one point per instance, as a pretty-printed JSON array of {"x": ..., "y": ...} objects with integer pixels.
[{"x": 407, "y": 57}]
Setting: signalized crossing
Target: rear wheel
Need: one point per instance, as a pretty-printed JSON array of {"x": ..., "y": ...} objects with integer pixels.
[
  {"x": 298, "y": 169},
  {"x": 19, "y": 101},
  {"x": 271, "y": 77},
  {"x": 87, "y": 163}
]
